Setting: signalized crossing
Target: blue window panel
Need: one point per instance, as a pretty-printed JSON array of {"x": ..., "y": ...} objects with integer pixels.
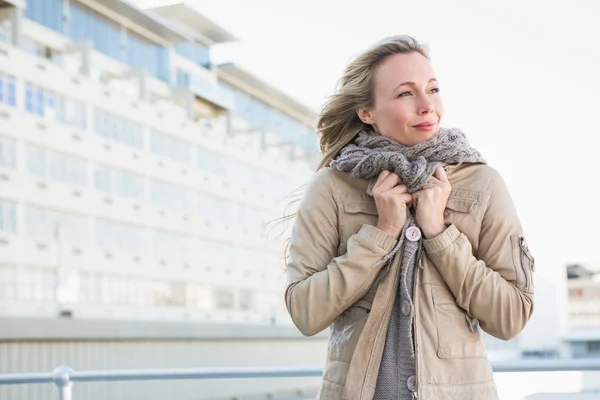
[
  {"x": 39, "y": 100},
  {"x": 61, "y": 112},
  {"x": 12, "y": 92},
  {"x": 46, "y": 12},
  {"x": 202, "y": 55},
  {"x": 10, "y": 155},
  {"x": 195, "y": 52},
  {"x": 75, "y": 31},
  {"x": 29, "y": 98},
  {"x": 163, "y": 64},
  {"x": 11, "y": 220},
  {"x": 55, "y": 15},
  {"x": 31, "y": 8},
  {"x": 114, "y": 41},
  {"x": 185, "y": 49},
  {"x": 81, "y": 24},
  {"x": 99, "y": 35}
]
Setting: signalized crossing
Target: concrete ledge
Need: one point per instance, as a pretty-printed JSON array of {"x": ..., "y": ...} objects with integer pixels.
[{"x": 19, "y": 329}]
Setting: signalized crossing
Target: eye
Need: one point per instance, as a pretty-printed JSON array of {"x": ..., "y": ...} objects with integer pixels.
[
  {"x": 435, "y": 90},
  {"x": 404, "y": 94}
]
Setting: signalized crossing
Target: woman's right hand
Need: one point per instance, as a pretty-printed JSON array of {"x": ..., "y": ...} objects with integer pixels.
[{"x": 392, "y": 201}]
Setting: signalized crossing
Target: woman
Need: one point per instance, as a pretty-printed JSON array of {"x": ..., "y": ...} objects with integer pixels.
[{"x": 405, "y": 242}]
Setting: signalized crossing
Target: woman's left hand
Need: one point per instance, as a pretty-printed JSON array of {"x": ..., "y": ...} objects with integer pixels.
[{"x": 430, "y": 202}]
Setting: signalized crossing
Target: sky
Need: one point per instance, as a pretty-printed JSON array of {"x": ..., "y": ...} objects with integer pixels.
[{"x": 519, "y": 77}]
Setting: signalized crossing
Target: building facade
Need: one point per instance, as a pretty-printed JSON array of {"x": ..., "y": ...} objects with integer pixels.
[{"x": 137, "y": 186}]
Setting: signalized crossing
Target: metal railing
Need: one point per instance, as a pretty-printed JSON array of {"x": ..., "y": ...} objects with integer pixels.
[{"x": 65, "y": 377}]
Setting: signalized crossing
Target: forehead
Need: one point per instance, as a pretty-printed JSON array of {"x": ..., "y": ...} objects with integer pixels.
[{"x": 400, "y": 68}]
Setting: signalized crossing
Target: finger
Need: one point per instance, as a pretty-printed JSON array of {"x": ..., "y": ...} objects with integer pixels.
[
  {"x": 390, "y": 181},
  {"x": 430, "y": 185},
  {"x": 415, "y": 200},
  {"x": 440, "y": 174},
  {"x": 399, "y": 189},
  {"x": 433, "y": 180},
  {"x": 382, "y": 175},
  {"x": 406, "y": 198}
]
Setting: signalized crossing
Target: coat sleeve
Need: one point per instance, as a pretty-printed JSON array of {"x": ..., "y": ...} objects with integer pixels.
[
  {"x": 496, "y": 285},
  {"x": 320, "y": 284}
]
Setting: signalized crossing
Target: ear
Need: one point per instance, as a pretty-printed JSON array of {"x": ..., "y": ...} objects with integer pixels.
[{"x": 365, "y": 116}]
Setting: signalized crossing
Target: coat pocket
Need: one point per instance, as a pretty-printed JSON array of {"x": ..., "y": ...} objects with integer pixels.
[
  {"x": 524, "y": 263},
  {"x": 460, "y": 204},
  {"x": 458, "y": 334},
  {"x": 355, "y": 215}
]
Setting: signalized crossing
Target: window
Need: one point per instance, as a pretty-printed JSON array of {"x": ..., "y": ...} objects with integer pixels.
[
  {"x": 593, "y": 347},
  {"x": 46, "y": 12},
  {"x": 170, "y": 147},
  {"x": 5, "y": 30},
  {"x": 8, "y": 281},
  {"x": 195, "y": 52},
  {"x": 214, "y": 163},
  {"x": 173, "y": 197},
  {"x": 42, "y": 102},
  {"x": 223, "y": 298},
  {"x": 8, "y": 216},
  {"x": 107, "y": 37},
  {"x": 142, "y": 53},
  {"x": 46, "y": 225},
  {"x": 115, "y": 236},
  {"x": 120, "y": 183},
  {"x": 182, "y": 78},
  {"x": 55, "y": 107},
  {"x": 167, "y": 245},
  {"x": 118, "y": 129},
  {"x": 7, "y": 153},
  {"x": 246, "y": 300},
  {"x": 198, "y": 296},
  {"x": 261, "y": 116},
  {"x": 99, "y": 288},
  {"x": 104, "y": 34},
  {"x": 36, "y": 284},
  {"x": 7, "y": 89},
  {"x": 47, "y": 164},
  {"x": 210, "y": 209}
]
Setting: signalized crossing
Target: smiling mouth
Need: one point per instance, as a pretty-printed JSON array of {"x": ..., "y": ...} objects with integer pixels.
[{"x": 426, "y": 125}]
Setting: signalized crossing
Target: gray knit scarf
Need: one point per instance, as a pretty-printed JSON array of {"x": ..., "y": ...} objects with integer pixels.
[{"x": 365, "y": 157}]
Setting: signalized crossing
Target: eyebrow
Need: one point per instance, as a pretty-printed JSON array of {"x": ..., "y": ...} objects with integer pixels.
[{"x": 410, "y": 83}]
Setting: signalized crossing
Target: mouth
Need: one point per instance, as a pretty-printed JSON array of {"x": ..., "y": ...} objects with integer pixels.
[{"x": 426, "y": 126}]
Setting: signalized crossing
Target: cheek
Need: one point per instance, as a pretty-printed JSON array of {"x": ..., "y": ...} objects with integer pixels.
[
  {"x": 439, "y": 107},
  {"x": 398, "y": 115}
]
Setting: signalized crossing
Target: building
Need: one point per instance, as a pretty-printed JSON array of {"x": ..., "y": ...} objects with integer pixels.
[
  {"x": 584, "y": 311},
  {"x": 136, "y": 181}
]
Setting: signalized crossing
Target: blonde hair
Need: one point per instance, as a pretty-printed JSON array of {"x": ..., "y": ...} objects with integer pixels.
[{"x": 338, "y": 122}]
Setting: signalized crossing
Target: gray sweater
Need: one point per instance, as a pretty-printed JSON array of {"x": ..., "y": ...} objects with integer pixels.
[{"x": 396, "y": 379}]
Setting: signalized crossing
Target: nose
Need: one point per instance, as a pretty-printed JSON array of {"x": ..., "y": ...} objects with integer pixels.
[{"x": 425, "y": 105}]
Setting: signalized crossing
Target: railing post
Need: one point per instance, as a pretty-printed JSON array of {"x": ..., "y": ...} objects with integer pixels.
[{"x": 61, "y": 377}]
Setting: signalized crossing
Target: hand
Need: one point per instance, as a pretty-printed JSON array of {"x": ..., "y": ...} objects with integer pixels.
[
  {"x": 430, "y": 203},
  {"x": 391, "y": 200}
]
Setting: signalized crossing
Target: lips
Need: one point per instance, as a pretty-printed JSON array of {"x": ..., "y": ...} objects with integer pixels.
[{"x": 425, "y": 125}]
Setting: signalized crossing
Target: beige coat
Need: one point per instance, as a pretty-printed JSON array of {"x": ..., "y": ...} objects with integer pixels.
[{"x": 477, "y": 273}]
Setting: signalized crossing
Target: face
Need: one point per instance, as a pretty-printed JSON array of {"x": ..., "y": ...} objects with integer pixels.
[{"x": 408, "y": 107}]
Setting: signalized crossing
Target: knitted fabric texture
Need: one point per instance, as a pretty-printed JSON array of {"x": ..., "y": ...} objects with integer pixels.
[{"x": 366, "y": 157}]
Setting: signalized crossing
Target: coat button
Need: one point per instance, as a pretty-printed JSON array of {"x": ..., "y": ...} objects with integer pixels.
[
  {"x": 413, "y": 234},
  {"x": 411, "y": 383},
  {"x": 405, "y": 307}
]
